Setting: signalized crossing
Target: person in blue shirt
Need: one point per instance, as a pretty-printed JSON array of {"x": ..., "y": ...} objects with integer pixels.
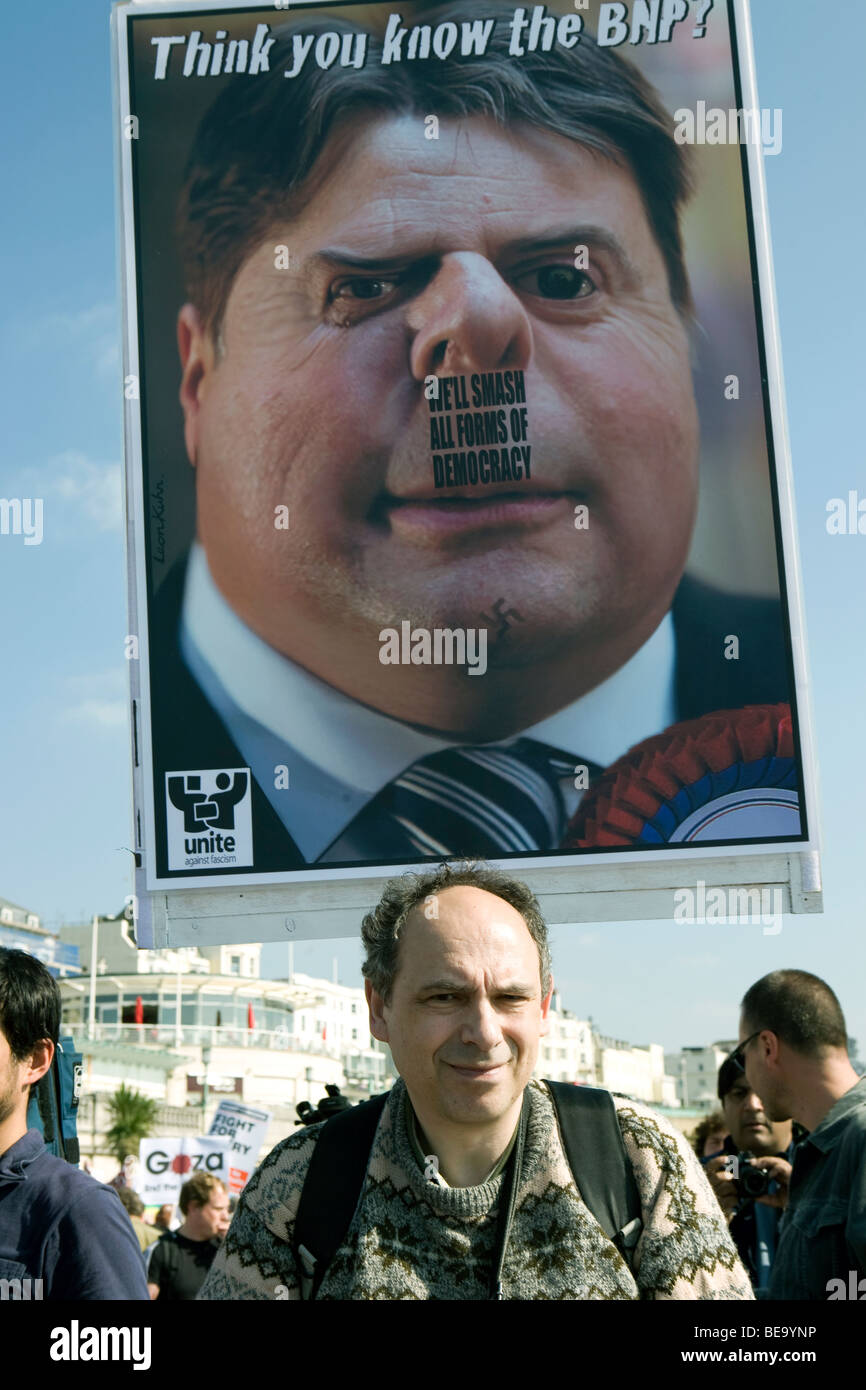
[
  {"x": 63, "y": 1235},
  {"x": 753, "y": 1222}
]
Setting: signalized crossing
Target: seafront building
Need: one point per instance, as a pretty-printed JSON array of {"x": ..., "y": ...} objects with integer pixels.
[
  {"x": 190, "y": 1026},
  {"x": 21, "y": 929}
]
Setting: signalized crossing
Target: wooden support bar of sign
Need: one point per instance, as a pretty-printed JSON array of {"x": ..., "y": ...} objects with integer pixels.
[{"x": 578, "y": 894}]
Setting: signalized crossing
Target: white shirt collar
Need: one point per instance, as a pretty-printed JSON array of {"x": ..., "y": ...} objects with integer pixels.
[{"x": 364, "y": 749}]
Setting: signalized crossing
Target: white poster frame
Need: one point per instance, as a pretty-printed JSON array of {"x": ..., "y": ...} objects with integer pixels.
[{"x": 328, "y": 902}]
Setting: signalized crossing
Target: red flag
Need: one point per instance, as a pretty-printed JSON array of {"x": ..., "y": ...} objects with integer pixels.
[
  {"x": 324, "y": 1032},
  {"x": 139, "y": 1009},
  {"x": 251, "y": 1018}
]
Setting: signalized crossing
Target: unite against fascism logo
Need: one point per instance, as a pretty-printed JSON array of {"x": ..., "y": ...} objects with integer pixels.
[{"x": 208, "y": 818}]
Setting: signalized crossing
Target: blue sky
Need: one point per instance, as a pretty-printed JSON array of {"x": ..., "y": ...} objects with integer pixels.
[{"x": 65, "y": 809}]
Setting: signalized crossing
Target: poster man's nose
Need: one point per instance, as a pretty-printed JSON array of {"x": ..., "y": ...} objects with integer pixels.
[{"x": 468, "y": 319}]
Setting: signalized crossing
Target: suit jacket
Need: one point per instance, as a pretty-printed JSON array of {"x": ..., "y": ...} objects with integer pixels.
[{"x": 188, "y": 733}]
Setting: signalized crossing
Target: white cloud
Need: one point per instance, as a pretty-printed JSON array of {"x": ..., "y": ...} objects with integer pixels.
[
  {"x": 113, "y": 683},
  {"x": 99, "y": 698},
  {"x": 695, "y": 964},
  {"x": 94, "y": 487},
  {"x": 105, "y": 714},
  {"x": 94, "y": 331},
  {"x": 108, "y": 359},
  {"x": 74, "y": 487}
]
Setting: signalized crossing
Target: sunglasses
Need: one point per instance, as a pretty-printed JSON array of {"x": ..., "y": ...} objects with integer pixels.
[{"x": 737, "y": 1055}]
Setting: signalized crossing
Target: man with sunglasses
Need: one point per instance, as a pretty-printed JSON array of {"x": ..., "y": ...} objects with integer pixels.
[{"x": 794, "y": 1052}]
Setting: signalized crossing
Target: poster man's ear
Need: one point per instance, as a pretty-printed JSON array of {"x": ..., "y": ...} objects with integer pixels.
[{"x": 197, "y": 361}]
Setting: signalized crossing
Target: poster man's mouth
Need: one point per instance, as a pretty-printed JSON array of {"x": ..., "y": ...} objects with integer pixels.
[{"x": 465, "y": 512}]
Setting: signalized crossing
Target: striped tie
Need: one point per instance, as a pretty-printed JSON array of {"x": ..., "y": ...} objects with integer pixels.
[{"x": 467, "y": 802}]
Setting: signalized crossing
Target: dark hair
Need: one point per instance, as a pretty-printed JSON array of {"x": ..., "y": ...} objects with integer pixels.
[
  {"x": 131, "y": 1200},
  {"x": 199, "y": 1189},
  {"x": 709, "y": 1124},
  {"x": 799, "y": 1008},
  {"x": 29, "y": 1002},
  {"x": 380, "y": 929},
  {"x": 262, "y": 139},
  {"x": 729, "y": 1075}
]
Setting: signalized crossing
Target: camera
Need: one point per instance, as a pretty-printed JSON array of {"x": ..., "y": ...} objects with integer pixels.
[
  {"x": 331, "y": 1105},
  {"x": 750, "y": 1182}
]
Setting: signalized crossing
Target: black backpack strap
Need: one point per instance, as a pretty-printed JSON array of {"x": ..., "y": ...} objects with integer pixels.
[
  {"x": 332, "y": 1187},
  {"x": 170, "y": 1258},
  {"x": 596, "y": 1154}
]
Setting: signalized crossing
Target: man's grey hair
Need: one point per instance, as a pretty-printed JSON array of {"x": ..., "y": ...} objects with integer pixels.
[{"x": 381, "y": 928}]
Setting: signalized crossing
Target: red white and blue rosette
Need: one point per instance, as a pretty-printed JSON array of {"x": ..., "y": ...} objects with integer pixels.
[{"x": 727, "y": 776}]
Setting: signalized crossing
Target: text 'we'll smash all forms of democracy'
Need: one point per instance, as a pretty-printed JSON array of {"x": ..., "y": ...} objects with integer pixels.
[{"x": 482, "y": 409}]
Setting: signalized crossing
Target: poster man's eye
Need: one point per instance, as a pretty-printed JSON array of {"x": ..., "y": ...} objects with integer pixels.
[
  {"x": 557, "y": 282},
  {"x": 360, "y": 287}
]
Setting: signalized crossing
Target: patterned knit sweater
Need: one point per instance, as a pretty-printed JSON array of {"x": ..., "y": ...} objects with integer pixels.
[{"x": 411, "y": 1239}]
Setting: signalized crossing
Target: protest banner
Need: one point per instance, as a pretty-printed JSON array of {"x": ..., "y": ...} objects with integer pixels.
[
  {"x": 473, "y": 534},
  {"x": 246, "y": 1129},
  {"x": 166, "y": 1164}
]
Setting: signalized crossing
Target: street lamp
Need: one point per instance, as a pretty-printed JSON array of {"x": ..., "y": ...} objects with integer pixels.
[
  {"x": 91, "y": 1009},
  {"x": 205, "y": 1061}
]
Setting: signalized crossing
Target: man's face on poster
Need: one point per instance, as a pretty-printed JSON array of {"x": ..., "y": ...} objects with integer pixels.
[{"x": 417, "y": 257}]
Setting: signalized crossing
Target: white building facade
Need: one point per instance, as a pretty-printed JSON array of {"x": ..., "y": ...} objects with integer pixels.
[
  {"x": 696, "y": 1071},
  {"x": 635, "y": 1071},
  {"x": 22, "y": 930},
  {"x": 566, "y": 1052},
  {"x": 188, "y": 1027}
]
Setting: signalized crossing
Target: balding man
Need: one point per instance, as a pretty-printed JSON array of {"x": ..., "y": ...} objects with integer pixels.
[{"x": 465, "y": 1189}]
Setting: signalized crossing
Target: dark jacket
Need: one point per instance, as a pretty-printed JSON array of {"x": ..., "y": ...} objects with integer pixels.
[
  {"x": 62, "y": 1227},
  {"x": 823, "y": 1234},
  {"x": 188, "y": 733}
]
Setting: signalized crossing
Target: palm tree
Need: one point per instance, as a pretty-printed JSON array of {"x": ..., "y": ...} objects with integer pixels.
[{"x": 133, "y": 1116}]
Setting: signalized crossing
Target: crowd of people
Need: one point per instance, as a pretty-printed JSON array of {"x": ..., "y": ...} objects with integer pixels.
[
  {"x": 178, "y": 1254},
  {"x": 470, "y": 1179},
  {"x": 799, "y": 1152}
]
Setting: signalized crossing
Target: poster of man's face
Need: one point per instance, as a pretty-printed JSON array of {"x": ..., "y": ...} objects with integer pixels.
[{"x": 460, "y": 526}]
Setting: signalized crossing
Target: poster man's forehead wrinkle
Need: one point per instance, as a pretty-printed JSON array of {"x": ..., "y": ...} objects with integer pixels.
[{"x": 462, "y": 522}]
